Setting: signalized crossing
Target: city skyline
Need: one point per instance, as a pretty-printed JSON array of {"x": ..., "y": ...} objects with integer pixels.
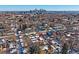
[{"x": 46, "y": 7}]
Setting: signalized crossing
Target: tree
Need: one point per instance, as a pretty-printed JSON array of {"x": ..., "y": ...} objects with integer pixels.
[
  {"x": 34, "y": 49},
  {"x": 64, "y": 49}
]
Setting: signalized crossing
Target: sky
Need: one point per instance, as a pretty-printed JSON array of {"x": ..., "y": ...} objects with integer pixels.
[{"x": 46, "y": 7}]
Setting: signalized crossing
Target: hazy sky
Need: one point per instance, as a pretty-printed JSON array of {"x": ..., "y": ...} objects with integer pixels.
[{"x": 46, "y": 7}]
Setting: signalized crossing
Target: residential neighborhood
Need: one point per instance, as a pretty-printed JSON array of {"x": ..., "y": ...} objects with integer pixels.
[{"x": 39, "y": 32}]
